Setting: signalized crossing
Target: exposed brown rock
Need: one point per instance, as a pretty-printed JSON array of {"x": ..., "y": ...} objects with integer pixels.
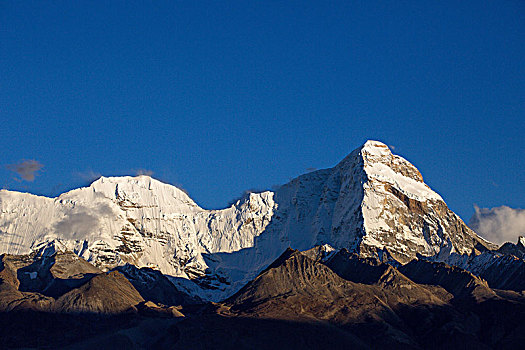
[
  {"x": 107, "y": 293},
  {"x": 462, "y": 284}
]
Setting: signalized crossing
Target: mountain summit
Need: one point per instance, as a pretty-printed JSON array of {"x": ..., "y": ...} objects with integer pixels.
[{"x": 373, "y": 203}]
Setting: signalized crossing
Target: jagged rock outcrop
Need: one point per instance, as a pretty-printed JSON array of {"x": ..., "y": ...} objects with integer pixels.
[
  {"x": 11, "y": 298},
  {"x": 295, "y": 287},
  {"x": 518, "y": 249},
  {"x": 64, "y": 283},
  {"x": 501, "y": 271}
]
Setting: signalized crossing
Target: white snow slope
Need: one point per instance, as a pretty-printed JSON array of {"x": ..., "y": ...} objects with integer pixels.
[{"x": 372, "y": 202}]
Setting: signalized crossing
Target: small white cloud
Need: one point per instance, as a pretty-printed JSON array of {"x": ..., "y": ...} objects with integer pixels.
[
  {"x": 89, "y": 175},
  {"x": 27, "y": 169},
  {"x": 146, "y": 172},
  {"x": 499, "y": 224},
  {"x": 82, "y": 220}
]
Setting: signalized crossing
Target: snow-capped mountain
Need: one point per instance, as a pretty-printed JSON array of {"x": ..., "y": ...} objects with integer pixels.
[
  {"x": 372, "y": 202},
  {"x": 136, "y": 220}
]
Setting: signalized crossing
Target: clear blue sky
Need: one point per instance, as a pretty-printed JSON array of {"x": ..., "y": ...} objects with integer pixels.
[{"x": 224, "y": 96}]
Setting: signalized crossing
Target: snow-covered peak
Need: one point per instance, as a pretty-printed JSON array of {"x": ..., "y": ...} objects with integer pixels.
[
  {"x": 399, "y": 211},
  {"x": 382, "y": 166},
  {"x": 375, "y": 148},
  {"x": 139, "y": 190},
  {"x": 384, "y": 171}
]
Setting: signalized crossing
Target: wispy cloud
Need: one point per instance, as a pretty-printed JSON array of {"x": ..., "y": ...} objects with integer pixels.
[
  {"x": 82, "y": 221},
  {"x": 499, "y": 224},
  {"x": 27, "y": 169},
  {"x": 139, "y": 172},
  {"x": 88, "y": 176}
]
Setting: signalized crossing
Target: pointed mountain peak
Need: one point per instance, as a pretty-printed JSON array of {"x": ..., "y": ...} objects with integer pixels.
[
  {"x": 370, "y": 150},
  {"x": 387, "y": 170},
  {"x": 375, "y": 148},
  {"x": 377, "y": 155},
  {"x": 377, "y": 159}
]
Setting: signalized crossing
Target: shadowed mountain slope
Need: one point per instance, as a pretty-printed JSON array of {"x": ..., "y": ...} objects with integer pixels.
[{"x": 382, "y": 312}]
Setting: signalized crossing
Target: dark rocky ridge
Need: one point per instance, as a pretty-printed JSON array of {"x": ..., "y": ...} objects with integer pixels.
[
  {"x": 105, "y": 293},
  {"x": 316, "y": 300},
  {"x": 154, "y": 286},
  {"x": 65, "y": 283},
  {"x": 506, "y": 272},
  {"x": 518, "y": 249},
  {"x": 460, "y": 283},
  {"x": 378, "y": 304}
]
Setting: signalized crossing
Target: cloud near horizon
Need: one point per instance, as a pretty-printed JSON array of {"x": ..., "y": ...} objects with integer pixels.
[
  {"x": 500, "y": 224},
  {"x": 27, "y": 169}
]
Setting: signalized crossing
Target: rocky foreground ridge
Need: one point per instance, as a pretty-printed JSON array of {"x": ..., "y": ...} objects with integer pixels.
[{"x": 314, "y": 299}]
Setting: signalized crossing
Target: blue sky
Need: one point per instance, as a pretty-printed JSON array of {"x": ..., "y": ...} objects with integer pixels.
[{"x": 221, "y": 97}]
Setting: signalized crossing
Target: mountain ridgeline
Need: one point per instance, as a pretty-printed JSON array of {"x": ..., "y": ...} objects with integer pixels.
[
  {"x": 360, "y": 253},
  {"x": 372, "y": 203}
]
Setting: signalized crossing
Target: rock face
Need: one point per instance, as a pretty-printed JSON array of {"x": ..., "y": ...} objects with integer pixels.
[
  {"x": 295, "y": 288},
  {"x": 53, "y": 275},
  {"x": 59, "y": 299},
  {"x": 499, "y": 270},
  {"x": 372, "y": 203},
  {"x": 503, "y": 268}
]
